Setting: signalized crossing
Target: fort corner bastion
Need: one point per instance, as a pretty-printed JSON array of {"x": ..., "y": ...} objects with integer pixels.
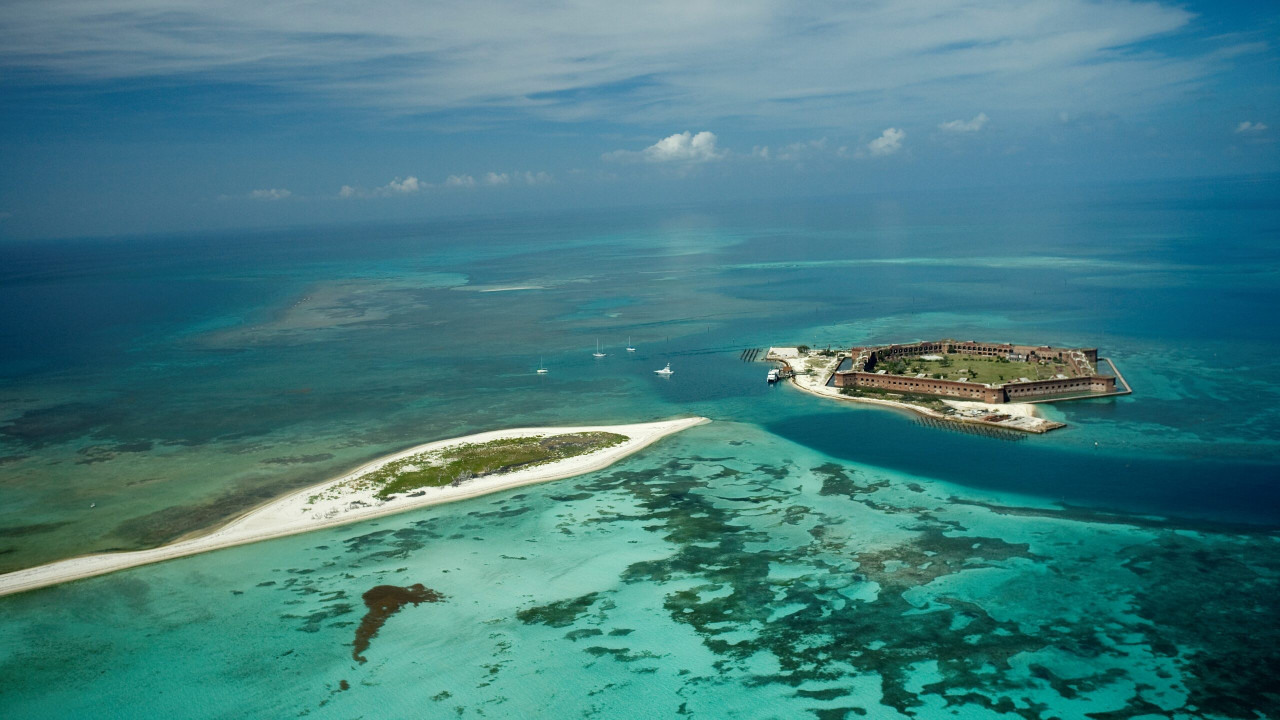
[{"x": 978, "y": 371}]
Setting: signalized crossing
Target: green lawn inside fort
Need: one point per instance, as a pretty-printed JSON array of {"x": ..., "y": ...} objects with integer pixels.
[{"x": 976, "y": 368}]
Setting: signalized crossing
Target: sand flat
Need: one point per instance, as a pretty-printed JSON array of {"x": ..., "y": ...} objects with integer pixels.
[{"x": 308, "y": 509}]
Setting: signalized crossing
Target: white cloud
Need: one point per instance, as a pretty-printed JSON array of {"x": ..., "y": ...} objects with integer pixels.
[
  {"x": 682, "y": 148},
  {"x": 760, "y": 151},
  {"x": 412, "y": 184},
  {"x": 403, "y": 187},
  {"x": 398, "y": 186},
  {"x": 1247, "y": 128},
  {"x": 270, "y": 194},
  {"x": 965, "y": 126},
  {"x": 889, "y": 142}
]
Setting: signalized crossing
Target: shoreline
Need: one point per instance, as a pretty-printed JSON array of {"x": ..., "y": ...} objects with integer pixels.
[{"x": 304, "y": 510}]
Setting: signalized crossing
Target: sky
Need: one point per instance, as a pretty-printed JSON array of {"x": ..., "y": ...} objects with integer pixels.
[{"x": 122, "y": 117}]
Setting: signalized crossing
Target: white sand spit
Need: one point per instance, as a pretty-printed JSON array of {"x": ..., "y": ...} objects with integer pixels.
[{"x": 341, "y": 501}]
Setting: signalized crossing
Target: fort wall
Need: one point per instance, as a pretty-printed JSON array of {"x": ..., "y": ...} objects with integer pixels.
[
  {"x": 929, "y": 386},
  {"x": 1083, "y": 362}
]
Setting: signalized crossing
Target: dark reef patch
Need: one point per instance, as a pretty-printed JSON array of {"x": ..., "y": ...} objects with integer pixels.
[
  {"x": 838, "y": 480},
  {"x": 558, "y": 614},
  {"x": 1204, "y": 606},
  {"x": 297, "y": 459},
  {"x": 812, "y": 642},
  {"x": 933, "y": 555},
  {"x": 503, "y": 512},
  {"x": 620, "y": 654},
  {"x": 393, "y": 543},
  {"x": 384, "y": 601},
  {"x": 102, "y": 453},
  {"x": 1217, "y": 601},
  {"x": 59, "y": 423},
  {"x": 312, "y": 622},
  {"x": 32, "y": 529}
]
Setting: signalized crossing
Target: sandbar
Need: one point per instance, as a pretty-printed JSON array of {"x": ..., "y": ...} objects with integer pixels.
[{"x": 318, "y": 506}]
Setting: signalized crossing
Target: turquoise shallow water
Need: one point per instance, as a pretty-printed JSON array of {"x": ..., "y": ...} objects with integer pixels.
[
  {"x": 794, "y": 558},
  {"x": 725, "y": 573}
]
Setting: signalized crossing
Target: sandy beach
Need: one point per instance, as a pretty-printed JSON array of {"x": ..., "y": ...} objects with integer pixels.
[{"x": 334, "y": 502}]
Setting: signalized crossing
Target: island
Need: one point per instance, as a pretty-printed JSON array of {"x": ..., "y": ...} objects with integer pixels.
[
  {"x": 437, "y": 472},
  {"x": 989, "y": 384}
]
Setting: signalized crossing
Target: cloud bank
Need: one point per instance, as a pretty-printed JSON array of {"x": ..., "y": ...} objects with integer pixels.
[
  {"x": 667, "y": 61},
  {"x": 411, "y": 185}
]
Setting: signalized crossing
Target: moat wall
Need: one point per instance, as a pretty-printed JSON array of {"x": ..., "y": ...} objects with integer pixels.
[{"x": 1082, "y": 360}]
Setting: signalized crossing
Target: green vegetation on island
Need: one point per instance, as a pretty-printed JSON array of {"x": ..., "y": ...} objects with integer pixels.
[
  {"x": 977, "y": 369},
  {"x": 457, "y": 464},
  {"x": 928, "y": 401}
]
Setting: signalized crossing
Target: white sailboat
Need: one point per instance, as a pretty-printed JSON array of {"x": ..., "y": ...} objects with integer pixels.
[
  {"x": 541, "y": 370},
  {"x": 629, "y": 348},
  {"x": 666, "y": 371},
  {"x": 597, "y": 353}
]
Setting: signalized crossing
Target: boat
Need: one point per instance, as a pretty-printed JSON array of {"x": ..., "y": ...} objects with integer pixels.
[
  {"x": 597, "y": 353},
  {"x": 541, "y": 370},
  {"x": 773, "y": 376},
  {"x": 666, "y": 370},
  {"x": 629, "y": 348}
]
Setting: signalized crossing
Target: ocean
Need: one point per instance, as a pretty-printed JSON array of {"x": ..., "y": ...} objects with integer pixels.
[{"x": 796, "y": 557}]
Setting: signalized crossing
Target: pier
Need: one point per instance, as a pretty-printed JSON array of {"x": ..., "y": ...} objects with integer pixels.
[{"x": 971, "y": 428}]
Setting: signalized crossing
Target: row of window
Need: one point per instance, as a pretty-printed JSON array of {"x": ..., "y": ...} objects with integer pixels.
[
  {"x": 928, "y": 387},
  {"x": 1055, "y": 388}
]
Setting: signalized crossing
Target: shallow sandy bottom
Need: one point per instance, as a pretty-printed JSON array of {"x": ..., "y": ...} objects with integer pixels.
[{"x": 303, "y": 511}]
